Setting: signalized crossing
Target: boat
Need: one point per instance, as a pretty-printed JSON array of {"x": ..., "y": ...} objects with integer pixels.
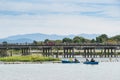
[
  {"x": 89, "y": 62},
  {"x": 67, "y": 61}
]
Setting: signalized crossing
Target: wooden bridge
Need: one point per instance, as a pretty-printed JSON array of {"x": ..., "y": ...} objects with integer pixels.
[{"x": 65, "y": 49}]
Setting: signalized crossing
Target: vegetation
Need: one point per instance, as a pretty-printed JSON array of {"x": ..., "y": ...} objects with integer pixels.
[
  {"x": 29, "y": 58},
  {"x": 67, "y": 40},
  {"x": 115, "y": 39},
  {"x": 78, "y": 39},
  {"x": 103, "y": 38}
]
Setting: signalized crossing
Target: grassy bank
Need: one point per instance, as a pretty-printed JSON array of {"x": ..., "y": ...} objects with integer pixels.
[{"x": 30, "y": 58}]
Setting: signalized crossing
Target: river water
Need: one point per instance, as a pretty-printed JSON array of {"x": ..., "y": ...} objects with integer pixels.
[{"x": 59, "y": 71}]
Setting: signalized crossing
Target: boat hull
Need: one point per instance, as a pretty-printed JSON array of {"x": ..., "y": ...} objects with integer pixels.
[
  {"x": 69, "y": 61},
  {"x": 90, "y": 62}
]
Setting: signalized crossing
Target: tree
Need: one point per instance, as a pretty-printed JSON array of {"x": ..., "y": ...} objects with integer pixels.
[
  {"x": 93, "y": 41},
  {"x": 102, "y": 38},
  {"x": 35, "y": 42},
  {"x": 68, "y": 40},
  {"x": 4, "y": 43},
  {"x": 98, "y": 40},
  {"x": 46, "y": 40},
  {"x": 78, "y": 39},
  {"x": 58, "y": 41},
  {"x": 115, "y": 38}
]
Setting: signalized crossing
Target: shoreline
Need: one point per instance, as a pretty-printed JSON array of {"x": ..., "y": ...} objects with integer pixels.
[
  {"x": 42, "y": 62},
  {"x": 46, "y": 62}
]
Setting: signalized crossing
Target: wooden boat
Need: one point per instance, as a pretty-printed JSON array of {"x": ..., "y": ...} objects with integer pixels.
[
  {"x": 89, "y": 62},
  {"x": 67, "y": 61}
]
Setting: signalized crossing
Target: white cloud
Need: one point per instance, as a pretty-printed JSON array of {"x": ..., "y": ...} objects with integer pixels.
[
  {"x": 59, "y": 24},
  {"x": 56, "y": 5},
  {"x": 113, "y": 11},
  {"x": 68, "y": 21}
]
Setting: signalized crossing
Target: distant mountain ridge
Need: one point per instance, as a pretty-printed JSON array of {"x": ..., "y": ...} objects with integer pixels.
[{"x": 41, "y": 37}]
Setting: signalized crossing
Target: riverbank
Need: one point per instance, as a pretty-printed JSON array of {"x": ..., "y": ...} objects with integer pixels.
[
  {"x": 100, "y": 60},
  {"x": 29, "y": 58},
  {"x": 38, "y": 59},
  {"x": 42, "y": 62}
]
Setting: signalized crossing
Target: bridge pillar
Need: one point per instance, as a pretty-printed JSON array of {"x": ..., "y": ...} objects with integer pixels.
[
  {"x": 25, "y": 51},
  {"x": 109, "y": 52},
  {"x": 57, "y": 53},
  {"x": 105, "y": 52},
  {"x": 73, "y": 52},
  {"x": 3, "y": 52},
  {"x": 47, "y": 51},
  {"x": 84, "y": 55},
  {"x": 68, "y": 52},
  {"x": 115, "y": 53},
  {"x": 94, "y": 53},
  {"x": 89, "y": 52},
  {"x": 11, "y": 52}
]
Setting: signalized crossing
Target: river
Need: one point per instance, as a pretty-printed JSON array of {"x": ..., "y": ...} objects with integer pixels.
[{"x": 59, "y": 71}]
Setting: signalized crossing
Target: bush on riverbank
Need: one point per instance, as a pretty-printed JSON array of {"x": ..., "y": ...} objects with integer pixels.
[{"x": 30, "y": 58}]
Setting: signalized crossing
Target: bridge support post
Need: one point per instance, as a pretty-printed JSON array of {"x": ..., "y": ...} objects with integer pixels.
[
  {"x": 57, "y": 53},
  {"x": 85, "y": 53},
  {"x": 25, "y": 51},
  {"x": 73, "y": 53},
  {"x": 105, "y": 52},
  {"x": 89, "y": 52},
  {"x": 115, "y": 53},
  {"x": 68, "y": 52},
  {"x": 47, "y": 51},
  {"x": 3, "y": 52},
  {"x": 109, "y": 52}
]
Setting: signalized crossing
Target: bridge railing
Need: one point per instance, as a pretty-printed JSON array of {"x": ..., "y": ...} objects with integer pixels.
[{"x": 60, "y": 44}]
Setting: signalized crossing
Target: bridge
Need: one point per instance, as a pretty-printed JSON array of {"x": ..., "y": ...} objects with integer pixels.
[{"x": 67, "y": 50}]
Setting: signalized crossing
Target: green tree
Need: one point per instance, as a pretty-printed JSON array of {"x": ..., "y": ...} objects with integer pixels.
[
  {"x": 4, "y": 43},
  {"x": 115, "y": 38},
  {"x": 35, "y": 42},
  {"x": 93, "y": 41},
  {"x": 58, "y": 41},
  {"x": 102, "y": 38},
  {"x": 46, "y": 40},
  {"x": 67, "y": 40},
  {"x": 78, "y": 39}
]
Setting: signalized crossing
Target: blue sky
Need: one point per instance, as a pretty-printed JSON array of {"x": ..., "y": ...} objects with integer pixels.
[{"x": 59, "y": 17}]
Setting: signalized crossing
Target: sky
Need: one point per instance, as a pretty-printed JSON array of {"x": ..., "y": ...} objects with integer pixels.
[{"x": 61, "y": 17}]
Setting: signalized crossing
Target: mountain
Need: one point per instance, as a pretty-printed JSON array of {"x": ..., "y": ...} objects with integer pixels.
[
  {"x": 89, "y": 36},
  {"x": 41, "y": 37}
]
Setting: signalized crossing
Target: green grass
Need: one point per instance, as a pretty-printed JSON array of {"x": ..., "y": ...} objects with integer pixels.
[{"x": 30, "y": 58}]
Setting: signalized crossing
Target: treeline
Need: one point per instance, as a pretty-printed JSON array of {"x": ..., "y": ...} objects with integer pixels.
[{"x": 103, "y": 38}]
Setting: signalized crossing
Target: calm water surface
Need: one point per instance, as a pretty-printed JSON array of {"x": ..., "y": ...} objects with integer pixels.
[{"x": 59, "y": 71}]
